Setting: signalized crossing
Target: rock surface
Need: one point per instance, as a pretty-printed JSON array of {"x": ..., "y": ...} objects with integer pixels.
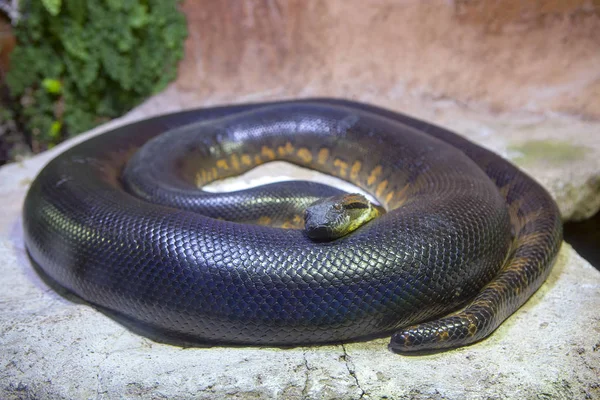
[
  {"x": 54, "y": 346},
  {"x": 504, "y": 55}
]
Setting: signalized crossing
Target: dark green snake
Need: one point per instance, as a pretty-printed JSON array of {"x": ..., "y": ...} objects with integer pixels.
[{"x": 465, "y": 233}]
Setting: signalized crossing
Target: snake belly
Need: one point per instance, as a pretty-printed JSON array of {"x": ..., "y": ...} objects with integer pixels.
[{"x": 467, "y": 238}]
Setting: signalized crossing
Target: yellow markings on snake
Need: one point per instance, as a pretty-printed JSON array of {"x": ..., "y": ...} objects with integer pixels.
[
  {"x": 297, "y": 220},
  {"x": 380, "y": 188},
  {"x": 444, "y": 336},
  {"x": 257, "y": 160},
  {"x": 342, "y": 165},
  {"x": 222, "y": 163},
  {"x": 504, "y": 189},
  {"x": 323, "y": 155},
  {"x": 264, "y": 220},
  {"x": 201, "y": 177},
  {"x": 304, "y": 154},
  {"x": 515, "y": 205},
  {"x": 532, "y": 237},
  {"x": 374, "y": 175},
  {"x": 284, "y": 150},
  {"x": 235, "y": 161},
  {"x": 472, "y": 329},
  {"x": 246, "y": 160},
  {"x": 267, "y": 152},
  {"x": 516, "y": 264},
  {"x": 399, "y": 197},
  {"x": 389, "y": 197},
  {"x": 355, "y": 170}
]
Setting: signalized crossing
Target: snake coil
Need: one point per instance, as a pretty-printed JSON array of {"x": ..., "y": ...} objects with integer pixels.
[{"x": 127, "y": 228}]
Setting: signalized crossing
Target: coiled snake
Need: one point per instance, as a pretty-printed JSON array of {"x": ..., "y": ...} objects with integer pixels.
[{"x": 465, "y": 231}]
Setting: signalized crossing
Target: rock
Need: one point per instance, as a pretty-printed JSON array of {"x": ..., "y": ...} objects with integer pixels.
[
  {"x": 55, "y": 346},
  {"x": 507, "y": 55},
  {"x": 561, "y": 152}
]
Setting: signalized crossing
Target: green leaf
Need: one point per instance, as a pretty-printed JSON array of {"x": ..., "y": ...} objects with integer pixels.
[
  {"x": 82, "y": 73},
  {"x": 52, "y": 6},
  {"x": 77, "y": 10},
  {"x": 52, "y": 86},
  {"x": 114, "y": 5},
  {"x": 90, "y": 60},
  {"x": 174, "y": 34},
  {"x": 19, "y": 79},
  {"x": 125, "y": 40},
  {"x": 73, "y": 40},
  {"x": 139, "y": 16},
  {"x": 117, "y": 67},
  {"x": 55, "y": 130},
  {"x": 78, "y": 120}
]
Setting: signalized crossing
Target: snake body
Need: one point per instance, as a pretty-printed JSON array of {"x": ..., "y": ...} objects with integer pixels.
[{"x": 125, "y": 228}]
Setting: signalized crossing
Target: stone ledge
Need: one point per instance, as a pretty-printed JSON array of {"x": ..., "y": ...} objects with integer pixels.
[{"x": 57, "y": 348}]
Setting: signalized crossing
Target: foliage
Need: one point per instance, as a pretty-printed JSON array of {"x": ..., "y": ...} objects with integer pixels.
[{"x": 79, "y": 63}]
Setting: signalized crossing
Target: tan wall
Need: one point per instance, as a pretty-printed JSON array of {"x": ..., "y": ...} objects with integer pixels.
[{"x": 501, "y": 55}]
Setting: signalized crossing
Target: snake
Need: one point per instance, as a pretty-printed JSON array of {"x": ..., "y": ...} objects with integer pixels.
[{"x": 456, "y": 239}]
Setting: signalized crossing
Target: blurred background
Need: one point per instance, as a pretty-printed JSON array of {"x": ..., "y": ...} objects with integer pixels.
[{"x": 67, "y": 66}]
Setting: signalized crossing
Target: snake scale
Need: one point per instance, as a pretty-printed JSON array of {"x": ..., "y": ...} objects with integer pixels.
[{"x": 466, "y": 240}]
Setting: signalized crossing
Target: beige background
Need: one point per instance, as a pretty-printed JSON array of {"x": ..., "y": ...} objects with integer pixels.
[{"x": 508, "y": 55}]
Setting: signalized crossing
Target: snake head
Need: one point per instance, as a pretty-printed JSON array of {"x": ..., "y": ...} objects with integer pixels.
[{"x": 333, "y": 217}]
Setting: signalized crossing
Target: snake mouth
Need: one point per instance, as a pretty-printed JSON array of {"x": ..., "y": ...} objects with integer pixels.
[{"x": 319, "y": 233}]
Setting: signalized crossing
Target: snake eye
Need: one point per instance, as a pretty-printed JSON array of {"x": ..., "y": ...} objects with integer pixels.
[
  {"x": 357, "y": 204},
  {"x": 337, "y": 207}
]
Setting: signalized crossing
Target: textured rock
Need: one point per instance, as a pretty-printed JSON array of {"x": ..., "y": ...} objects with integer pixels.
[
  {"x": 55, "y": 346},
  {"x": 560, "y": 152},
  {"x": 504, "y": 55}
]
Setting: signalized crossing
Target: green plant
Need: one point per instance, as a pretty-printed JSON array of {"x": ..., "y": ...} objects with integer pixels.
[{"x": 79, "y": 63}]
